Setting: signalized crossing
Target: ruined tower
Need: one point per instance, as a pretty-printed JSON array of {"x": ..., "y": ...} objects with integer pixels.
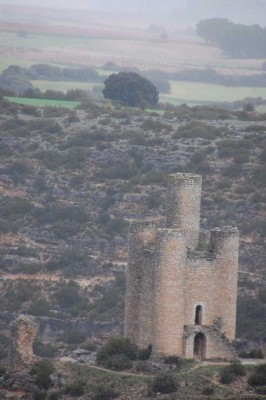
[{"x": 181, "y": 282}]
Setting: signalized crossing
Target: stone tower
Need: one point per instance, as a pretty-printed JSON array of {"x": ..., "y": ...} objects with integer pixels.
[{"x": 181, "y": 282}]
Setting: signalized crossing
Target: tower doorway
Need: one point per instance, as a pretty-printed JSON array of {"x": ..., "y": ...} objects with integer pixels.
[
  {"x": 200, "y": 345},
  {"x": 198, "y": 315}
]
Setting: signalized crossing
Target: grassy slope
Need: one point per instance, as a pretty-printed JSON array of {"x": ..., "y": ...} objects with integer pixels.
[{"x": 43, "y": 102}]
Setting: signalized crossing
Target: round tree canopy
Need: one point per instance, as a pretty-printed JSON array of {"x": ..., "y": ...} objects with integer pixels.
[{"x": 131, "y": 90}]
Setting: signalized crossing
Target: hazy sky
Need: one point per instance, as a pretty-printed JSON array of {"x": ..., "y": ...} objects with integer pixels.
[{"x": 246, "y": 11}]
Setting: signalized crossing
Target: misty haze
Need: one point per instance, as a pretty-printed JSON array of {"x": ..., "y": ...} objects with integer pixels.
[{"x": 132, "y": 199}]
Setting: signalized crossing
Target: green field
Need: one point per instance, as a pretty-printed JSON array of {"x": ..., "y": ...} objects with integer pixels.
[
  {"x": 205, "y": 92},
  {"x": 64, "y": 85},
  {"x": 43, "y": 102}
]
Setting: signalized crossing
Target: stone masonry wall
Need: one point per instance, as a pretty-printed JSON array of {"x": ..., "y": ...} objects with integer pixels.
[
  {"x": 200, "y": 282},
  {"x": 169, "y": 291},
  {"x": 148, "y": 237}
]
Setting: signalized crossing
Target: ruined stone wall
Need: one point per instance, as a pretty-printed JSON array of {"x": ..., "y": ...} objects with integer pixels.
[
  {"x": 22, "y": 334},
  {"x": 216, "y": 345},
  {"x": 183, "y": 205},
  {"x": 171, "y": 255}
]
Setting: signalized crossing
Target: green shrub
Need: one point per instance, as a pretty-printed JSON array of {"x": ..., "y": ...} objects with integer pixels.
[
  {"x": 253, "y": 353},
  {"x": 174, "y": 359},
  {"x": 54, "y": 396},
  {"x": 15, "y": 207},
  {"x": 74, "y": 337},
  {"x": 154, "y": 177},
  {"x": 104, "y": 393},
  {"x": 118, "y": 362},
  {"x": 196, "y": 129},
  {"x": 229, "y": 373},
  {"x": 144, "y": 354},
  {"x": 39, "y": 395},
  {"x": 164, "y": 382},
  {"x": 39, "y": 307},
  {"x": 208, "y": 391},
  {"x": 68, "y": 295},
  {"x": 44, "y": 350},
  {"x": 123, "y": 170},
  {"x": 118, "y": 345},
  {"x": 30, "y": 268},
  {"x": 237, "y": 368},
  {"x": 226, "y": 376},
  {"x": 45, "y": 125},
  {"x": 117, "y": 353},
  {"x": 117, "y": 226},
  {"x": 2, "y": 370},
  {"x": 76, "y": 389},
  {"x": 258, "y": 378},
  {"x": 42, "y": 371},
  {"x": 90, "y": 346}
]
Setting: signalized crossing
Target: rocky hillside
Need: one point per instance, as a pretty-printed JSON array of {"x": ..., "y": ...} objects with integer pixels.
[{"x": 71, "y": 180}]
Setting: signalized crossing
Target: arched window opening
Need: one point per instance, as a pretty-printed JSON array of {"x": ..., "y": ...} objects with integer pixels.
[
  {"x": 200, "y": 346},
  {"x": 198, "y": 315}
]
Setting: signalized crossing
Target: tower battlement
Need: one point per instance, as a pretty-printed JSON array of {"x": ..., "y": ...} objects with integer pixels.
[{"x": 174, "y": 287}]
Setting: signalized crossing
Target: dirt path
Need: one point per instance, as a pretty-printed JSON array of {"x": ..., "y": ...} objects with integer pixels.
[{"x": 139, "y": 375}]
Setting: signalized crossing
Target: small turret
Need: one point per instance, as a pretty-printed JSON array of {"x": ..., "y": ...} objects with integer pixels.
[{"x": 183, "y": 205}]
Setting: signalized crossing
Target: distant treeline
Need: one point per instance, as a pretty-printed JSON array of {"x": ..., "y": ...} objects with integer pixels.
[
  {"x": 207, "y": 75},
  {"x": 70, "y": 95},
  {"x": 52, "y": 73},
  {"x": 236, "y": 40},
  {"x": 18, "y": 79}
]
